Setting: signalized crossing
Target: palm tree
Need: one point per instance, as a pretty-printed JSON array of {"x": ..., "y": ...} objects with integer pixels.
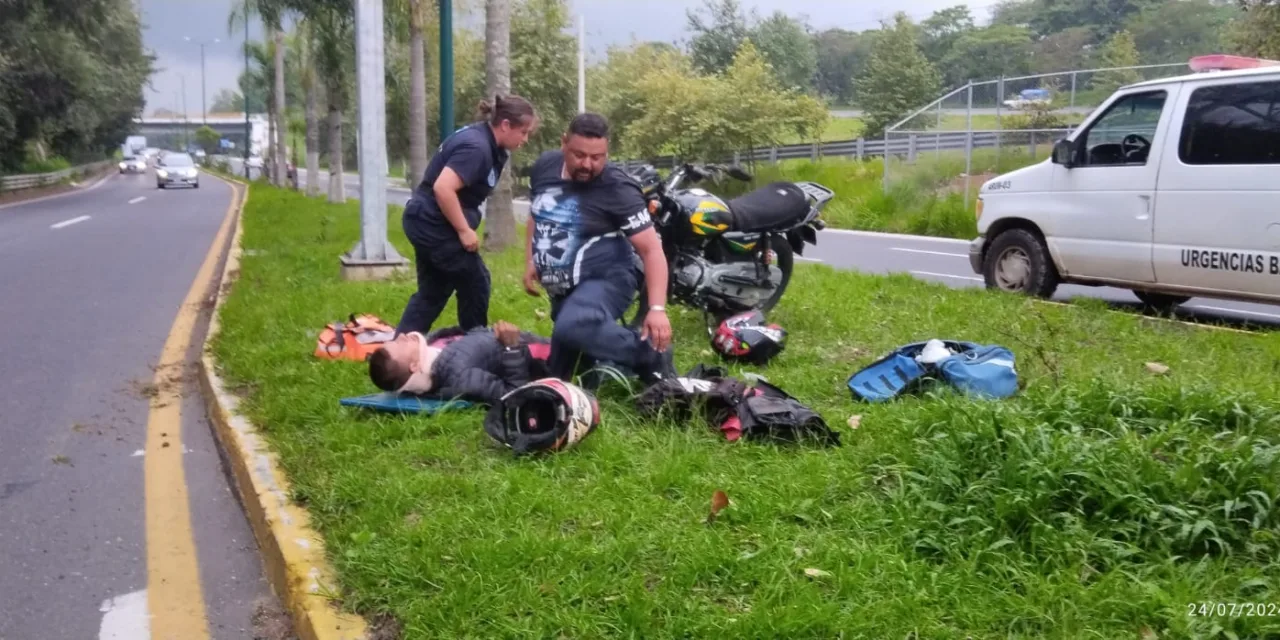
[
  {"x": 257, "y": 81},
  {"x": 333, "y": 23},
  {"x": 500, "y": 228},
  {"x": 418, "y": 17},
  {"x": 272, "y": 13},
  {"x": 303, "y": 49}
]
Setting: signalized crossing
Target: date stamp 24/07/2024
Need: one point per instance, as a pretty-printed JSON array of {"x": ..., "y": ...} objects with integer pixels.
[{"x": 1232, "y": 609}]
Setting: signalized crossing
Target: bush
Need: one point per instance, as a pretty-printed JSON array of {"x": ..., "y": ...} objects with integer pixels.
[{"x": 49, "y": 165}]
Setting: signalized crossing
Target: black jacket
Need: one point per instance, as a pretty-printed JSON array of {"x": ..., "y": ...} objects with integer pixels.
[{"x": 478, "y": 368}]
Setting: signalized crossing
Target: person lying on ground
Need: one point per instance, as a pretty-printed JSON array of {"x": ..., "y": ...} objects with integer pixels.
[
  {"x": 481, "y": 365},
  {"x": 589, "y": 221}
]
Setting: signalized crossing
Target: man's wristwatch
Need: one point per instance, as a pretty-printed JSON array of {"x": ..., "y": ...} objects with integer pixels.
[{"x": 658, "y": 307}]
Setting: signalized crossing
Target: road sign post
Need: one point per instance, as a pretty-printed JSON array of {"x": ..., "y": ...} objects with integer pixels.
[{"x": 373, "y": 257}]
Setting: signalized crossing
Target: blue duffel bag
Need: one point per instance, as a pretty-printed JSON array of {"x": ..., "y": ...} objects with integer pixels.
[{"x": 979, "y": 370}]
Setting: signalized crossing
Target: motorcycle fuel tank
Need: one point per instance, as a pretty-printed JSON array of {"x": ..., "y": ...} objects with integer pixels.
[{"x": 708, "y": 214}]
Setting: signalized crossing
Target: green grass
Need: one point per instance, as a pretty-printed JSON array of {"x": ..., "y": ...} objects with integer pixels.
[{"x": 1100, "y": 501}]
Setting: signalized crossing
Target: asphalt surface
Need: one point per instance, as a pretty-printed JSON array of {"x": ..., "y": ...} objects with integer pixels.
[{"x": 92, "y": 283}]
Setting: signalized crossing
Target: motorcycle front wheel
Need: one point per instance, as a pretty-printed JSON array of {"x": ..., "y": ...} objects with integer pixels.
[{"x": 784, "y": 260}]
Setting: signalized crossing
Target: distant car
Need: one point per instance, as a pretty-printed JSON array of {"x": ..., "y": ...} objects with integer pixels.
[
  {"x": 177, "y": 169},
  {"x": 255, "y": 162},
  {"x": 133, "y": 164},
  {"x": 1030, "y": 98}
]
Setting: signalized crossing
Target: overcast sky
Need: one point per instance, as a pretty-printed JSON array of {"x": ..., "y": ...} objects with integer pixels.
[{"x": 168, "y": 23}]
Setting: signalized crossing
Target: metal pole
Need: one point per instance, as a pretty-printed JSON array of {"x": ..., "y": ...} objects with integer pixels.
[
  {"x": 937, "y": 134},
  {"x": 371, "y": 135},
  {"x": 248, "y": 135},
  {"x": 1073, "y": 91},
  {"x": 186, "y": 130},
  {"x": 582, "y": 64},
  {"x": 968, "y": 146},
  {"x": 446, "y": 69},
  {"x": 999, "y": 104},
  {"x": 204, "y": 110}
]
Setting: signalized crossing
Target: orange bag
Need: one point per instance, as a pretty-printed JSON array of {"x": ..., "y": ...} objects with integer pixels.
[{"x": 355, "y": 339}]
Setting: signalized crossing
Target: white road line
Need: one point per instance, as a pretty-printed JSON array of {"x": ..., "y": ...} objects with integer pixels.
[
  {"x": 137, "y": 200},
  {"x": 804, "y": 259},
  {"x": 945, "y": 275},
  {"x": 932, "y": 253},
  {"x": 898, "y": 236},
  {"x": 125, "y": 617},
  {"x": 67, "y": 223},
  {"x": 1241, "y": 311}
]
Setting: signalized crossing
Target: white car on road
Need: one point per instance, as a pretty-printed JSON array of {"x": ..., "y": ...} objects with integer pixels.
[
  {"x": 133, "y": 164},
  {"x": 177, "y": 169}
]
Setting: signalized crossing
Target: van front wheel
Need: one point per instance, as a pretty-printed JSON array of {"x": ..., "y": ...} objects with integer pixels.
[{"x": 1018, "y": 261}]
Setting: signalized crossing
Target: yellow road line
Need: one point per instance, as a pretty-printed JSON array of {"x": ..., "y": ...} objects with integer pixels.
[{"x": 174, "y": 595}]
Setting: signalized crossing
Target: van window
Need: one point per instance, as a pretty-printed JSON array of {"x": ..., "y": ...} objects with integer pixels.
[
  {"x": 1123, "y": 135},
  {"x": 1232, "y": 124}
]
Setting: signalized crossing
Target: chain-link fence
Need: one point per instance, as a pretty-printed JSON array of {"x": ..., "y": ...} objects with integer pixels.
[{"x": 957, "y": 142}]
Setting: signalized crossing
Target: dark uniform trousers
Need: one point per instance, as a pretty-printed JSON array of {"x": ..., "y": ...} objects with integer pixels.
[
  {"x": 444, "y": 268},
  {"x": 587, "y": 331}
]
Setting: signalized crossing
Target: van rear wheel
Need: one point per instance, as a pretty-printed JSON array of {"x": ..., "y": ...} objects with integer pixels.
[
  {"x": 1160, "y": 302},
  {"x": 1018, "y": 261}
]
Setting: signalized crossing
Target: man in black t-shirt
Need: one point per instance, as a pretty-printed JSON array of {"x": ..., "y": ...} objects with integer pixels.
[
  {"x": 441, "y": 217},
  {"x": 588, "y": 220}
]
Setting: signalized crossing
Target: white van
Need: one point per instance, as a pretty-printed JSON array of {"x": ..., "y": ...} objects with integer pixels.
[{"x": 1171, "y": 188}]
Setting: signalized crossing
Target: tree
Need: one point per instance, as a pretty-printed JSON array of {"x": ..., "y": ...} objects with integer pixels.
[
  {"x": 718, "y": 28},
  {"x": 841, "y": 55},
  {"x": 940, "y": 31},
  {"x": 544, "y": 63},
  {"x": 1044, "y": 17},
  {"x": 500, "y": 226},
  {"x": 272, "y": 13},
  {"x": 305, "y": 59},
  {"x": 1119, "y": 51},
  {"x": 1062, "y": 51},
  {"x": 227, "y": 101},
  {"x": 898, "y": 78},
  {"x": 788, "y": 47},
  {"x": 1176, "y": 30},
  {"x": 208, "y": 139},
  {"x": 999, "y": 50},
  {"x": 419, "y": 11},
  {"x": 1257, "y": 33},
  {"x": 685, "y": 113},
  {"x": 71, "y": 79}
]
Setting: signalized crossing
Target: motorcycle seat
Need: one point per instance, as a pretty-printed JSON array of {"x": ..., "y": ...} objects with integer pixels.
[{"x": 778, "y": 205}]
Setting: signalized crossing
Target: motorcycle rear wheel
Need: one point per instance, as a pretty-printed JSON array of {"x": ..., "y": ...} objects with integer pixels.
[{"x": 784, "y": 259}]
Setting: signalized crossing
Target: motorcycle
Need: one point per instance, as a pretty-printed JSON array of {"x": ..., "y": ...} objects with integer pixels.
[{"x": 726, "y": 257}]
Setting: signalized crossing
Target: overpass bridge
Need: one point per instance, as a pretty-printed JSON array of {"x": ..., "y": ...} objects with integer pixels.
[{"x": 170, "y": 133}]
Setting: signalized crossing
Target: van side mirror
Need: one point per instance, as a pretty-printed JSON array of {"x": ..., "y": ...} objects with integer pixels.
[{"x": 1064, "y": 153}]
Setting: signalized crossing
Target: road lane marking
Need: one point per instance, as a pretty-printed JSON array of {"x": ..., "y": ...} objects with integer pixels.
[
  {"x": 67, "y": 223},
  {"x": 945, "y": 275},
  {"x": 137, "y": 200},
  {"x": 932, "y": 253},
  {"x": 897, "y": 236},
  {"x": 125, "y": 617},
  {"x": 174, "y": 595},
  {"x": 804, "y": 259},
  {"x": 1241, "y": 311}
]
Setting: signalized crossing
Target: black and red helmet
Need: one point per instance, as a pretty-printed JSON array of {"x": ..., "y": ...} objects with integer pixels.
[
  {"x": 546, "y": 415},
  {"x": 747, "y": 337}
]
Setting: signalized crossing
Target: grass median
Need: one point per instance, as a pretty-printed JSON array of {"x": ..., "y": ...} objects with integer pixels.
[{"x": 1101, "y": 502}]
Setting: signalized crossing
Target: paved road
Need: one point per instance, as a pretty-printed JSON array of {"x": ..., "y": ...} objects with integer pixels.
[
  {"x": 947, "y": 261},
  {"x": 942, "y": 260},
  {"x": 92, "y": 282}
]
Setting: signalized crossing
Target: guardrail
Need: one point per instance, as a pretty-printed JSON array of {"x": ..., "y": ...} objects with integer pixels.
[
  {"x": 35, "y": 180},
  {"x": 904, "y": 144}
]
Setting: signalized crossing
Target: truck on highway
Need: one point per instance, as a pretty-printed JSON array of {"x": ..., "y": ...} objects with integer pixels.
[
  {"x": 1168, "y": 189},
  {"x": 133, "y": 146}
]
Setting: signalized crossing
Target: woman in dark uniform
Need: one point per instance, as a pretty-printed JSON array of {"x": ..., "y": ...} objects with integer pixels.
[{"x": 441, "y": 217}]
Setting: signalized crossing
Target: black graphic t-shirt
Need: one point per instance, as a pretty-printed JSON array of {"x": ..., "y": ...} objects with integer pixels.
[
  {"x": 475, "y": 156},
  {"x": 581, "y": 229}
]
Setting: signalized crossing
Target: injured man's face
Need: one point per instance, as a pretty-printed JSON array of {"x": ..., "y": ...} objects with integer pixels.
[{"x": 404, "y": 364}]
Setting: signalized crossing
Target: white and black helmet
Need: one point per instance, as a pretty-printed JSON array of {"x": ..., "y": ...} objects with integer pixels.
[{"x": 544, "y": 415}]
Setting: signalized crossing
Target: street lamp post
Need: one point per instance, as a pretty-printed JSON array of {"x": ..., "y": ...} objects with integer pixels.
[
  {"x": 204, "y": 109},
  {"x": 247, "y": 133}
]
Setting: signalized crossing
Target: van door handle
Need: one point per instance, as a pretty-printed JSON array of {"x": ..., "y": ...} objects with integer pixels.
[{"x": 1146, "y": 207}]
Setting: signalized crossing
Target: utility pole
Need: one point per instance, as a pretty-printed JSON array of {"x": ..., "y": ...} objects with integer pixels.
[
  {"x": 204, "y": 108},
  {"x": 248, "y": 136},
  {"x": 446, "y": 69},
  {"x": 373, "y": 257},
  {"x": 582, "y": 64},
  {"x": 186, "y": 131}
]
